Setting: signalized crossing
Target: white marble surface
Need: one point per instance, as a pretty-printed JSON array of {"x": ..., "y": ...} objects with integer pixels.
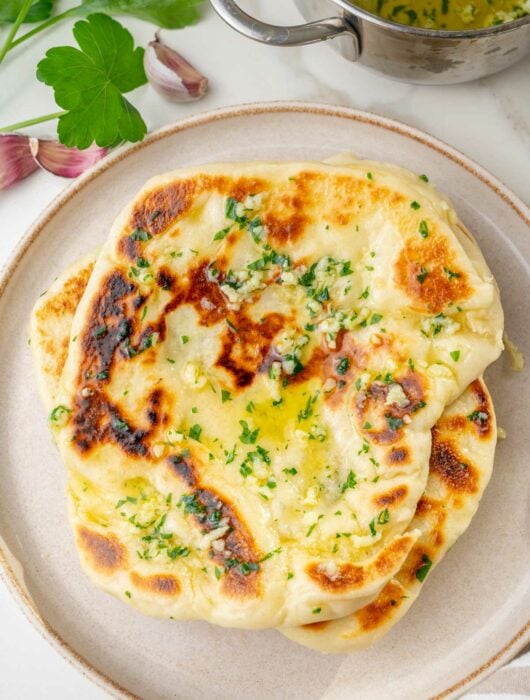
[{"x": 488, "y": 120}]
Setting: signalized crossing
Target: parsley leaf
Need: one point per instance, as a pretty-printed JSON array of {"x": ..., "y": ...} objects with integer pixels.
[
  {"x": 423, "y": 570},
  {"x": 168, "y": 14},
  {"x": 350, "y": 483},
  {"x": 39, "y": 10},
  {"x": 88, "y": 83}
]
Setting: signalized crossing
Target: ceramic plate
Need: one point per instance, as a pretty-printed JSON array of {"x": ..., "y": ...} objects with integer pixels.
[{"x": 473, "y": 612}]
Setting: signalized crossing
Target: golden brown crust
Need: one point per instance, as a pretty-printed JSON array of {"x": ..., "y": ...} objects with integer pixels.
[
  {"x": 391, "y": 498},
  {"x": 161, "y": 584},
  {"x": 105, "y": 552},
  {"x": 427, "y": 272},
  {"x": 383, "y": 607}
]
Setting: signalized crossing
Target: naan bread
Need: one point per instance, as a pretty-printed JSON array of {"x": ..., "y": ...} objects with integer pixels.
[
  {"x": 463, "y": 449},
  {"x": 254, "y": 371}
]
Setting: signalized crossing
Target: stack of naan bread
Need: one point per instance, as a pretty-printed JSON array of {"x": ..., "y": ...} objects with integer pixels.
[{"x": 267, "y": 390}]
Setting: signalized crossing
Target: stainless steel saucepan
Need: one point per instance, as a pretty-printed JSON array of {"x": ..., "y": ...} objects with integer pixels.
[{"x": 412, "y": 54}]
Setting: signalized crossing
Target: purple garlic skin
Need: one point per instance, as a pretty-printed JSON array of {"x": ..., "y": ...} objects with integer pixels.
[
  {"x": 22, "y": 155},
  {"x": 171, "y": 75},
  {"x": 16, "y": 159},
  {"x": 62, "y": 160}
]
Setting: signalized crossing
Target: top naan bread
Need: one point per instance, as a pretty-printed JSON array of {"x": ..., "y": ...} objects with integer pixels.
[{"x": 253, "y": 374}]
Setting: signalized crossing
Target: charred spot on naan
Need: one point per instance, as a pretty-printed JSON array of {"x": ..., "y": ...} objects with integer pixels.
[
  {"x": 162, "y": 207},
  {"x": 482, "y": 414},
  {"x": 106, "y": 553},
  {"x": 398, "y": 455},
  {"x": 377, "y": 613},
  {"x": 210, "y": 510},
  {"x": 427, "y": 273},
  {"x": 245, "y": 344},
  {"x": 446, "y": 462},
  {"x": 159, "y": 208},
  {"x": 317, "y": 626},
  {"x": 382, "y": 422},
  {"x": 391, "y": 498},
  {"x": 160, "y": 584}
]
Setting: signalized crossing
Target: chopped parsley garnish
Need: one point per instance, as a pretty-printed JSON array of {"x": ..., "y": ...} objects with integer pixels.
[
  {"x": 423, "y": 229},
  {"x": 178, "y": 552},
  {"x": 410, "y": 363},
  {"x": 171, "y": 362},
  {"x": 371, "y": 524},
  {"x": 383, "y": 517},
  {"x": 217, "y": 572},
  {"x": 375, "y": 319},
  {"x": 231, "y": 326},
  {"x": 184, "y": 339},
  {"x": 370, "y": 176},
  {"x": 248, "y": 436},
  {"x": 59, "y": 411},
  {"x": 245, "y": 469},
  {"x": 119, "y": 424},
  {"x": 422, "y": 276},
  {"x": 103, "y": 374},
  {"x": 195, "y": 432},
  {"x": 365, "y": 293},
  {"x": 192, "y": 506},
  {"x": 290, "y": 575},
  {"x": 307, "y": 411},
  {"x": 350, "y": 483},
  {"x": 225, "y": 396},
  {"x": 140, "y": 235},
  {"x": 223, "y": 233},
  {"x": 415, "y": 205},
  {"x": 424, "y": 178},
  {"x": 249, "y": 408},
  {"x": 342, "y": 366},
  {"x": 393, "y": 423},
  {"x": 255, "y": 228},
  {"x": 479, "y": 416},
  {"x": 101, "y": 330},
  {"x": 452, "y": 275},
  {"x": 423, "y": 570},
  {"x": 128, "y": 594},
  {"x": 367, "y": 426},
  {"x": 345, "y": 269},
  {"x": 311, "y": 528},
  {"x": 230, "y": 455},
  {"x": 290, "y": 470},
  {"x": 315, "y": 611},
  {"x": 246, "y": 567},
  {"x": 455, "y": 354},
  {"x": 142, "y": 262}
]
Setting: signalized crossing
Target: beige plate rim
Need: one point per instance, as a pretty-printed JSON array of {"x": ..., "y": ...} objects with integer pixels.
[{"x": 7, "y": 573}]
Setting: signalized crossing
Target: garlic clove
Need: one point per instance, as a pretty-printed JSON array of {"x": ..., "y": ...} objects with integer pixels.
[
  {"x": 171, "y": 75},
  {"x": 62, "y": 160},
  {"x": 16, "y": 160}
]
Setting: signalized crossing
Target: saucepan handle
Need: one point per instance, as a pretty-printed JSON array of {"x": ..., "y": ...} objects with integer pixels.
[{"x": 297, "y": 35}]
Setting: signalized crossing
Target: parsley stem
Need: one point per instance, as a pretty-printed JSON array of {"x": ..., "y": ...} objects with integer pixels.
[
  {"x": 30, "y": 122},
  {"x": 44, "y": 25},
  {"x": 14, "y": 29}
]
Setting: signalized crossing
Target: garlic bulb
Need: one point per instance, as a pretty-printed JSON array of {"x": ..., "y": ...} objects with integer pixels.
[
  {"x": 16, "y": 160},
  {"x": 22, "y": 155},
  {"x": 171, "y": 75}
]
